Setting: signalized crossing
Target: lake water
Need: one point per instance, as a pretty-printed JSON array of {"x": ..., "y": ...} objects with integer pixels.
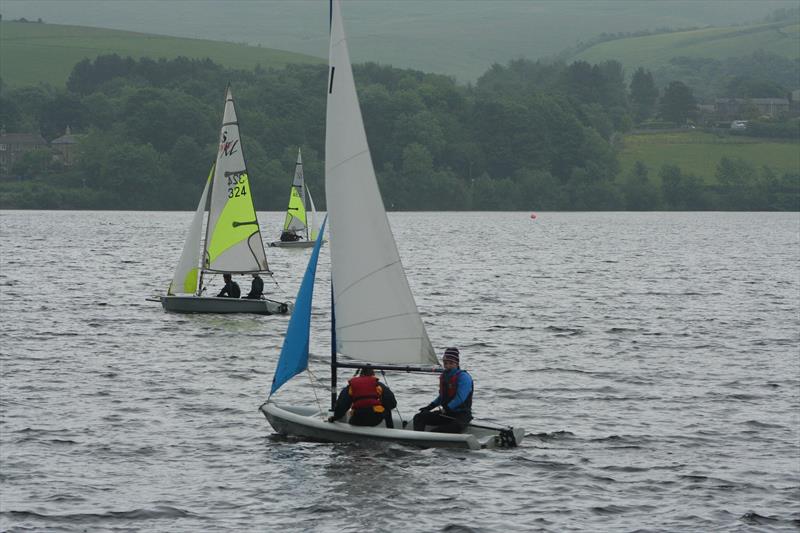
[{"x": 653, "y": 359}]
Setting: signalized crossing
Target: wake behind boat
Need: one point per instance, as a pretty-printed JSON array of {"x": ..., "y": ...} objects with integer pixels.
[
  {"x": 232, "y": 242},
  {"x": 374, "y": 318},
  {"x": 298, "y": 231}
]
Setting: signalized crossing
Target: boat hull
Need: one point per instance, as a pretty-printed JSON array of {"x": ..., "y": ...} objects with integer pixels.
[
  {"x": 292, "y": 244},
  {"x": 213, "y": 304},
  {"x": 310, "y": 423}
]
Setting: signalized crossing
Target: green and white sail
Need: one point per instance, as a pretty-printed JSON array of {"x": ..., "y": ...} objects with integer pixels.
[
  {"x": 377, "y": 319},
  {"x": 186, "y": 276},
  {"x": 233, "y": 237},
  {"x": 296, "y": 216}
]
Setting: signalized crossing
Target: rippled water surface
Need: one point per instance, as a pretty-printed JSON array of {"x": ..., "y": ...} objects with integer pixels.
[{"x": 654, "y": 360}]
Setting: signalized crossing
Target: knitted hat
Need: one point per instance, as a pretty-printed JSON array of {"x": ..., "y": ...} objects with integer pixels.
[{"x": 451, "y": 354}]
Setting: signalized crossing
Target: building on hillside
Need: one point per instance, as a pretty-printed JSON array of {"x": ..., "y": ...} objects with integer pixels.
[
  {"x": 705, "y": 111},
  {"x": 64, "y": 147},
  {"x": 733, "y": 108},
  {"x": 794, "y": 106},
  {"x": 15, "y": 145}
]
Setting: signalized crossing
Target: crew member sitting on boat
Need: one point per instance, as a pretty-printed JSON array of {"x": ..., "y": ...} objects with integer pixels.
[
  {"x": 370, "y": 401},
  {"x": 289, "y": 235},
  {"x": 231, "y": 288},
  {"x": 455, "y": 399},
  {"x": 256, "y": 288}
]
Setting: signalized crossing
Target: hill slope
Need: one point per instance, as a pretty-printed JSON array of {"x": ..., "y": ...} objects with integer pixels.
[
  {"x": 655, "y": 51},
  {"x": 31, "y": 53},
  {"x": 462, "y": 38}
]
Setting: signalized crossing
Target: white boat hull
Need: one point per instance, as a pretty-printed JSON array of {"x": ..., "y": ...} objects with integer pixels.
[
  {"x": 293, "y": 244},
  {"x": 310, "y": 423},
  {"x": 213, "y": 304}
]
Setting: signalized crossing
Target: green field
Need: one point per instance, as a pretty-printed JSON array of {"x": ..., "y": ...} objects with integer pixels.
[
  {"x": 31, "y": 53},
  {"x": 654, "y": 51},
  {"x": 699, "y": 152}
]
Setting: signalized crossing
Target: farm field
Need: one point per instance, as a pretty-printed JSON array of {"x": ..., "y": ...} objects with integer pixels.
[{"x": 699, "y": 152}]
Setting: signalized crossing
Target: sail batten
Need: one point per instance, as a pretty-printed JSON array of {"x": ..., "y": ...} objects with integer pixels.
[
  {"x": 334, "y": 167},
  {"x": 393, "y": 339},
  {"x": 372, "y": 321},
  {"x": 342, "y": 292}
]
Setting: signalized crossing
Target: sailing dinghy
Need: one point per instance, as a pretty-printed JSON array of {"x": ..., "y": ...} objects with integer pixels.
[
  {"x": 232, "y": 241},
  {"x": 297, "y": 223},
  {"x": 375, "y": 320}
]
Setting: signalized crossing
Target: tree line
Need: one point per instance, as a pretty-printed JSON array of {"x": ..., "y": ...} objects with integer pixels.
[{"x": 526, "y": 135}]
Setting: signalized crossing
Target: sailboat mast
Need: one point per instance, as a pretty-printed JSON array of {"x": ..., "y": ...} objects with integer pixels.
[
  {"x": 305, "y": 206},
  {"x": 208, "y": 224},
  {"x": 333, "y": 350},
  {"x": 333, "y": 306}
]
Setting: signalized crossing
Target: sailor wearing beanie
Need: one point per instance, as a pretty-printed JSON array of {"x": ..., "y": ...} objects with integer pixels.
[{"x": 454, "y": 399}]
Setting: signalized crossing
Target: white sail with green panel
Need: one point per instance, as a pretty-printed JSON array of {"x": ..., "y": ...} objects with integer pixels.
[
  {"x": 231, "y": 243},
  {"x": 296, "y": 216},
  {"x": 233, "y": 237}
]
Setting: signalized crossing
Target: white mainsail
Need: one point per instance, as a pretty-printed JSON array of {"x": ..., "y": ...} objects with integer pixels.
[
  {"x": 377, "y": 319},
  {"x": 233, "y": 237},
  {"x": 186, "y": 273}
]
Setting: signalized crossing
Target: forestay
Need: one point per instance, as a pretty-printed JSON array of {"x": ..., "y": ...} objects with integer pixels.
[
  {"x": 233, "y": 237},
  {"x": 376, "y": 317}
]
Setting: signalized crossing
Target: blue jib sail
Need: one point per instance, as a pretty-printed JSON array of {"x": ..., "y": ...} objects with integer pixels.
[{"x": 294, "y": 354}]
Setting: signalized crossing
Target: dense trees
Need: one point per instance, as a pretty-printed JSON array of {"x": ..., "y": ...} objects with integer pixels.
[
  {"x": 678, "y": 104},
  {"x": 644, "y": 94},
  {"x": 713, "y": 78},
  {"x": 527, "y": 135}
]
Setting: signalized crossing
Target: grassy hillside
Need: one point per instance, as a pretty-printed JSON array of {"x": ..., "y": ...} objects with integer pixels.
[
  {"x": 654, "y": 51},
  {"x": 457, "y": 37},
  {"x": 31, "y": 53},
  {"x": 699, "y": 152}
]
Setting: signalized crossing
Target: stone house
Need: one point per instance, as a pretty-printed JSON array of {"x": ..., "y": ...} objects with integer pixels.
[
  {"x": 64, "y": 147},
  {"x": 732, "y": 108}
]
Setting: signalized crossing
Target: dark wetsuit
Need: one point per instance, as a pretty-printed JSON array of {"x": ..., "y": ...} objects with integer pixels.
[
  {"x": 230, "y": 290},
  {"x": 256, "y": 289},
  {"x": 288, "y": 236}
]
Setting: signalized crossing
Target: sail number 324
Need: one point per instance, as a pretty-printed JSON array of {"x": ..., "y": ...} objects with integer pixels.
[{"x": 237, "y": 184}]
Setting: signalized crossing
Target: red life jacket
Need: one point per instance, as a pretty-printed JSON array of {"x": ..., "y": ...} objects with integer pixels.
[{"x": 365, "y": 392}]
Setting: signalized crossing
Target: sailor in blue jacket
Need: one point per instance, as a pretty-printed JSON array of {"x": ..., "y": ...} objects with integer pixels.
[{"x": 454, "y": 400}]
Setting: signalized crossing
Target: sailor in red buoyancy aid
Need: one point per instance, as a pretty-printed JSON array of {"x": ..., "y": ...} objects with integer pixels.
[
  {"x": 370, "y": 402},
  {"x": 455, "y": 399}
]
